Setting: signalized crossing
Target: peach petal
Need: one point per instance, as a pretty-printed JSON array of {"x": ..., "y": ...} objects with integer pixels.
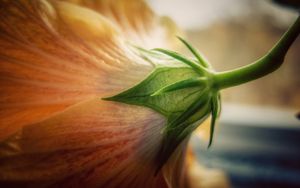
[
  {"x": 48, "y": 64},
  {"x": 95, "y": 142}
]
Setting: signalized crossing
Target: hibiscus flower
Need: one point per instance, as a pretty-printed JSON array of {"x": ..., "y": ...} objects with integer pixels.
[{"x": 59, "y": 60}]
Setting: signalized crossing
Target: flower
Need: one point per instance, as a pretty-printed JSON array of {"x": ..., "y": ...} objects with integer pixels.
[
  {"x": 58, "y": 59},
  {"x": 83, "y": 104}
]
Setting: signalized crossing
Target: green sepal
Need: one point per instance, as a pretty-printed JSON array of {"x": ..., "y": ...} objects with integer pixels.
[
  {"x": 169, "y": 103},
  {"x": 181, "y": 126},
  {"x": 195, "y": 53},
  {"x": 215, "y": 112},
  {"x": 197, "y": 67}
]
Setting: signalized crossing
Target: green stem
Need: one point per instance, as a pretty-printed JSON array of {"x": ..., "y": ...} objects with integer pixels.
[{"x": 267, "y": 64}]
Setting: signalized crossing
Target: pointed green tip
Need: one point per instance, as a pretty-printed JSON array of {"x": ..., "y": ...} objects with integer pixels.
[
  {"x": 181, "y": 39},
  {"x": 209, "y": 144},
  {"x": 159, "y": 50},
  {"x": 210, "y": 141},
  {"x": 211, "y": 133},
  {"x": 108, "y": 98}
]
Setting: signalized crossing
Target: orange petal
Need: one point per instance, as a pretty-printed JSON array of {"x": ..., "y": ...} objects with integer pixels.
[
  {"x": 54, "y": 55},
  {"x": 95, "y": 143}
]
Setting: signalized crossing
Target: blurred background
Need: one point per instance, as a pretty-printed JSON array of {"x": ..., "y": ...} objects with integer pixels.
[{"x": 257, "y": 140}]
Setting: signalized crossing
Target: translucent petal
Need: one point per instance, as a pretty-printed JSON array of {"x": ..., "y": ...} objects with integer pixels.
[
  {"x": 53, "y": 58},
  {"x": 94, "y": 143}
]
